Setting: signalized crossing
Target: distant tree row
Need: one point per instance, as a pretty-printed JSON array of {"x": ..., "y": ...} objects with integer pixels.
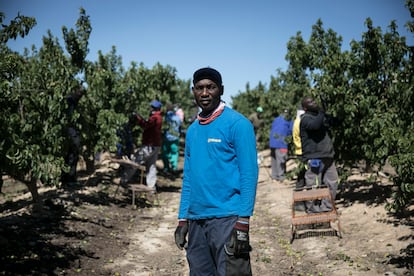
[
  {"x": 369, "y": 88},
  {"x": 35, "y": 86}
]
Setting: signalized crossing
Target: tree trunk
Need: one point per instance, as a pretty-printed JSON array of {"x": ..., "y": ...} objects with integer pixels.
[
  {"x": 368, "y": 167},
  {"x": 32, "y": 186},
  {"x": 90, "y": 165}
]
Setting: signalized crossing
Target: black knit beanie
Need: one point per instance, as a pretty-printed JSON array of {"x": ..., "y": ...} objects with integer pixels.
[{"x": 207, "y": 73}]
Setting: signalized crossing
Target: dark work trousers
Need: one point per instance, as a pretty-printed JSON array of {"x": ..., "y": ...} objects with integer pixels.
[
  {"x": 206, "y": 254},
  {"x": 325, "y": 175},
  {"x": 278, "y": 163}
]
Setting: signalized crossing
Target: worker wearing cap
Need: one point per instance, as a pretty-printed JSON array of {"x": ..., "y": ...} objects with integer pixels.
[
  {"x": 219, "y": 184},
  {"x": 151, "y": 142}
]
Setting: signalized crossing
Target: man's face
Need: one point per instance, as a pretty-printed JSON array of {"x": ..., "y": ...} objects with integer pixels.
[
  {"x": 207, "y": 95},
  {"x": 310, "y": 105}
]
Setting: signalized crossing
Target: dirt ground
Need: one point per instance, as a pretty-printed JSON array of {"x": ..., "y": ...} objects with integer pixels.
[{"x": 92, "y": 229}]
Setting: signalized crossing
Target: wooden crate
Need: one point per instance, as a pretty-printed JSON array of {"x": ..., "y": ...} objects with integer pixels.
[{"x": 313, "y": 218}]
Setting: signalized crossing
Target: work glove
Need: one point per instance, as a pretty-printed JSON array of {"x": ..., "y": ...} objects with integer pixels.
[
  {"x": 239, "y": 240},
  {"x": 181, "y": 234}
]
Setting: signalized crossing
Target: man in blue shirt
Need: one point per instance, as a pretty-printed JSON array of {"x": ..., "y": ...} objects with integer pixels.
[
  {"x": 281, "y": 129},
  {"x": 219, "y": 184}
]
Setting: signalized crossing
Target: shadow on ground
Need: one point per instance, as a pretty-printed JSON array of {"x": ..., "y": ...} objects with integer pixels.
[
  {"x": 371, "y": 193},
  {"x": 43, "y": 238}
]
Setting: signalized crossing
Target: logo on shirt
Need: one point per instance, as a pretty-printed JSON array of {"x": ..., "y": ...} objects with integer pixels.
[{"x": 213, "y": 140}]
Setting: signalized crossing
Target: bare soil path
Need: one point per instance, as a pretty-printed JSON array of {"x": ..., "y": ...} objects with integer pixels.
[{"x": 92, "y": 229}]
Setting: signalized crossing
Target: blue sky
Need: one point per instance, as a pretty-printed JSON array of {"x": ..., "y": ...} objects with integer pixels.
[{"x": 244, "y": 39}]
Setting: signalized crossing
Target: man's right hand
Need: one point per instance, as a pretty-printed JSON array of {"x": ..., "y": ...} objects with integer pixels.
[{"x": 180, "y": 234}]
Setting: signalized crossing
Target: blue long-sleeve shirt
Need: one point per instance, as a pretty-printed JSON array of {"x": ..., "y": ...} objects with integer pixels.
[
  {"x": 220, "y": 168},
  {"x": 281, "y": 128}
]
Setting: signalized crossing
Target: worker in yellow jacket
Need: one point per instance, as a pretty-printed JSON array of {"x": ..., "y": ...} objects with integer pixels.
[{"x": 298, "y": 148}]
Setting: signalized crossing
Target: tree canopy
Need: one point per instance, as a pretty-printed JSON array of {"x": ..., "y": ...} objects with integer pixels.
[{"x": 368, "y": 88}]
